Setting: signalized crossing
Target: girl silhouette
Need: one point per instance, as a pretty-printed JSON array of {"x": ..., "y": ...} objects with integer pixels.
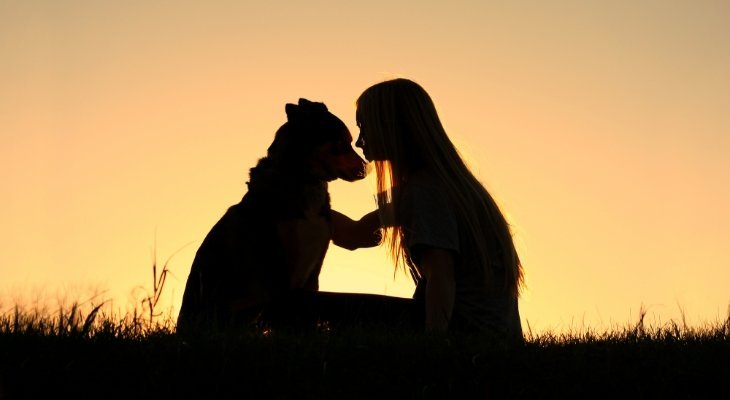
[{"x": 436, "y": 218}]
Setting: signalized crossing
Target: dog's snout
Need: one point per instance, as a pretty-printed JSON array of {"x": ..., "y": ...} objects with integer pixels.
[
  {"x": 367, "y": 170},
  {"x": 355, "y": 167},
  {"x": 360, "y": 172}
]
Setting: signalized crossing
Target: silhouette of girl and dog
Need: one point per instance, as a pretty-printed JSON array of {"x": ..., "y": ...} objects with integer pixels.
[{"x": 260, "y": 263}]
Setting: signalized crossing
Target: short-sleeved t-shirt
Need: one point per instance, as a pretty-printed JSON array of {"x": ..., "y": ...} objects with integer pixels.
[{"x": 430, "y": 221}]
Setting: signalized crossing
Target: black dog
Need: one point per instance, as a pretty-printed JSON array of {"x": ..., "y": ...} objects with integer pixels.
[{"x": 275, "y": 239}]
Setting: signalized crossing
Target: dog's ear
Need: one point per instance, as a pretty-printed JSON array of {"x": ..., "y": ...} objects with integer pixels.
[
  {"x": 305, "y": 109},
  {"x": 304, "y": 102},
  {"x": 312, "y": 106},
  {"x": 292, "y": 111}
]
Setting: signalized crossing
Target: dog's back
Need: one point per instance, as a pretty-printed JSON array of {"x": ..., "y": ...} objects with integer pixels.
[{"x": 235, "y": 269}]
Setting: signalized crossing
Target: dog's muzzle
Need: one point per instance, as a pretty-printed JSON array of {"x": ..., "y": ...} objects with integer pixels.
[{"x": 355, "y": 169}]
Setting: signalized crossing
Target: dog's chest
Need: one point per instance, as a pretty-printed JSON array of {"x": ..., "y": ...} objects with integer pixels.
[
  {"x": 315, "y": 226},
  {"x": 306, "y": 240},
  {"x": 316, "y": 201},
  {"x": 314, "y": 234}
]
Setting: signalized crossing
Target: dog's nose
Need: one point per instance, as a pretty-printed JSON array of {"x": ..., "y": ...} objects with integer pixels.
[
  {"x": 362, "y": 170},
  {"x": 368, "y": 169}
]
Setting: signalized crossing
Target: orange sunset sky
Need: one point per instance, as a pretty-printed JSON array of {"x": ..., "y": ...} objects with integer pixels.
[{"x": 601, "y": 127}]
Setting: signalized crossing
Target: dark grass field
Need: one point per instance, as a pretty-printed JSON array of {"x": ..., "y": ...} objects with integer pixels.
[{"x": 70, "y": 355}]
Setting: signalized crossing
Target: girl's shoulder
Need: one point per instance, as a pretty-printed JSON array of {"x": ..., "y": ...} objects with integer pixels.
[
  {"x": 424, "y": 195},
  {"x": 424, "y": 186}
]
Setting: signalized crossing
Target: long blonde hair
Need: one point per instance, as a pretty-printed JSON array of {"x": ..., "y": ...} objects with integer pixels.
[{"x": 401, "y": 127}]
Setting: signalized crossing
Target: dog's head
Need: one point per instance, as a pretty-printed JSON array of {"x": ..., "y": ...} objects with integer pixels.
[{"x": 315, "y": 139}]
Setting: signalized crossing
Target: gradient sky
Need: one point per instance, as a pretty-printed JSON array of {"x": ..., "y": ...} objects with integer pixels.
[{"x": 601, "y": 127}]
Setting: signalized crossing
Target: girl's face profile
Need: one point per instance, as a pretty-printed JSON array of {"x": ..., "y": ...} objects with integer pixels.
[
  {"x": 361, "y": 143},
  {"x": 365, "y": 138}
]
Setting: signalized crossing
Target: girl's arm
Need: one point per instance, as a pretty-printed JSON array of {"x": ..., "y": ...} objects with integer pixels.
[
  {"x": 352, "y": 235},
  {"x": 438, "y": 269}
]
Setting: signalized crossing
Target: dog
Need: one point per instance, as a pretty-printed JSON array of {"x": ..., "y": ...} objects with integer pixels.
[{"x": 275, "y": 239}]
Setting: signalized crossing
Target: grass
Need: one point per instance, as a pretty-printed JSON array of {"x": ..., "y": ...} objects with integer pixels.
[
  {"x": 84, "y": 350},
  {"x": 88, "y": 352}
]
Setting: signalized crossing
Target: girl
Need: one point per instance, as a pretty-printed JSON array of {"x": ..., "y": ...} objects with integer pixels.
[{"x": 434, "y": 215}]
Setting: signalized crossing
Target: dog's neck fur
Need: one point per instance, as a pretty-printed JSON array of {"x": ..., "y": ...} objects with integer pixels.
[{"x": 306, "y": 194}]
